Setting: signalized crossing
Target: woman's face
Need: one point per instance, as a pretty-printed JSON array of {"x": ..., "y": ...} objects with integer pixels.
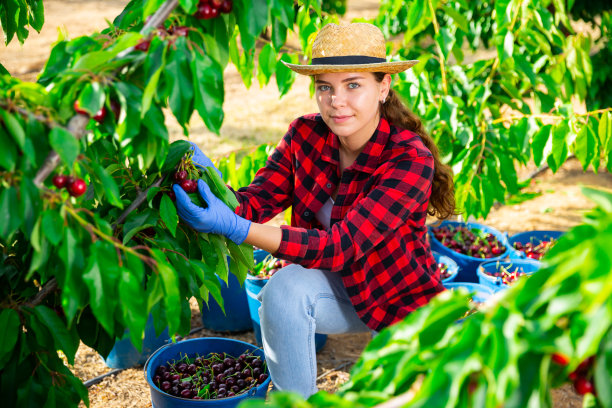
[{"x": 349, "y": 101}]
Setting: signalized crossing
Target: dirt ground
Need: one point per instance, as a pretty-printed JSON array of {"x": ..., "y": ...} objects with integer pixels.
[{"x": 256, "y": 116}]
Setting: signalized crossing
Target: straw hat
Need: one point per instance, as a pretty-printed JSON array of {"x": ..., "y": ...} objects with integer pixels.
[{"x": 356, "y": 47}]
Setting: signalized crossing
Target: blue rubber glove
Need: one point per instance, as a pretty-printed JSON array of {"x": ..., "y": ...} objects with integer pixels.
[
  {"x": 217, "y": 218},
  {"x": 200, "y": 159}
]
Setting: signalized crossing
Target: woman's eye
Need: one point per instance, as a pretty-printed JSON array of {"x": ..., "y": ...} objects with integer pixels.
[
  {"x": 324, "y": 88},
  {"x": 353, "y": 85}
]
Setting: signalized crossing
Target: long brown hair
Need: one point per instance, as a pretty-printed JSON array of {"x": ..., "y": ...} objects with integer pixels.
[{"x": 442, "y": 200}]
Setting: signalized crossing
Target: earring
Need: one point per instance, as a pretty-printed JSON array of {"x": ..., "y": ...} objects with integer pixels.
[{"x": 384, "y": 100}]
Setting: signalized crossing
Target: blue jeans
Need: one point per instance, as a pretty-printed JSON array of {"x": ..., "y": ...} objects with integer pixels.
[{"x": 296, "y": 303}]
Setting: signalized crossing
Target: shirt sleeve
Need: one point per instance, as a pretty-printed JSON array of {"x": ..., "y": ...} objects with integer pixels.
[
  {"x": 401, "y": 190},
  {"x": 271, "y": 190}
]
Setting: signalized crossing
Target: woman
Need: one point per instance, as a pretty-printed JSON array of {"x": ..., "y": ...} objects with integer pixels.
[{"x": 361, "y": 177}]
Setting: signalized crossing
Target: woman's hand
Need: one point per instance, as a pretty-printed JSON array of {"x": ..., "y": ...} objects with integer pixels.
[
  {"x": 200, "y": 159},
  {"x": 216, "y": 218}
]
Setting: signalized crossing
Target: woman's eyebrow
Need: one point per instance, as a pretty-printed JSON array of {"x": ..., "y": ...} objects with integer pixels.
[{"x": 349, "y": 79}]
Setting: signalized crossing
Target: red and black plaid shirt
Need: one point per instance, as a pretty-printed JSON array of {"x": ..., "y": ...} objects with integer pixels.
[{"x": 377, "y": 239}]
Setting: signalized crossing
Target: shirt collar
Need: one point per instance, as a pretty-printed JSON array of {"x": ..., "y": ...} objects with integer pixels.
[{"x": 368, "y": 159}]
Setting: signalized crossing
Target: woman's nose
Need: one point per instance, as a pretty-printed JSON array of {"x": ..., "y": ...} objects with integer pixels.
[{"x": 338, "y": 99}]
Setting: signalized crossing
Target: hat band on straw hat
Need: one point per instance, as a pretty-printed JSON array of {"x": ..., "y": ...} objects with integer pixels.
[{"x": 347, "y": 60}]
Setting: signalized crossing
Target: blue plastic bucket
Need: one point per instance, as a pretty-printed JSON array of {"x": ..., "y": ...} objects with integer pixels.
[
  {"x": 535, "y": 236},
  {"x": 253, "y": 287},
  {"x": 125, "y": 355},
  {"x": 481, "y": 292},
  {"x": 468, "y": 264},
  {"x": 485, "y": 270},
  {"x": 192, "y": 348},
  {"x": 236, "y": 317},
  {"x": 452, "y": 266}
]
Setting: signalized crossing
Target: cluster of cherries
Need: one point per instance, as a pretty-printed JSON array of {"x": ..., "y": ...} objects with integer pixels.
[
  {"x": 268, "y": 267},
  {"x": 507, "y": 275},
  {"x": 162, "y": 32},
  {"x": 208, "y": 9},
  {"x": 582, "y": 376},
  {"x": 443, "y": 270},
  {"x": 536, "y": 251},
  {"x": 76, "y": 186},
  {"x": 218, "y": 375},
  {"x": 465, "y": 241}
]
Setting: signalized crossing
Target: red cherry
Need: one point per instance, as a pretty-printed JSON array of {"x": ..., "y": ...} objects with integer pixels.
[
  {"x": 181, "y": 31},
  {"x": 180, "y": 176},
  {"x": 77, "y": 188},
  {"x": 215, "y": 12},
  {"x": 205, "y": 11},
  {"x": 216, "y": 3},
  {"x": 78, "y": 109},
  {"x": 100, "y": 115},
  {"x": 171, "y": 195},
  {"x": 143, "y": 45},
  {"x": 190, "y": 186},
  {"x": 60, "y": 180},
  {"x": 560, "y": 359},
  {"x": 584, "y": 386},
  {"x": 226, "y": 6}
]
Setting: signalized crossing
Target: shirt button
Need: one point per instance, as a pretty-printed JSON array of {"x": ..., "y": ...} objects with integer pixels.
[
  {"x": 328, "y": 185},
  {"x": 306, "y": 213}
]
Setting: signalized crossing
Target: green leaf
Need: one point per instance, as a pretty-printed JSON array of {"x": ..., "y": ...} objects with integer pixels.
[
  {"x": 8, "y": 158},
  {"x": 267, "y": 64},
  {"x": 95, "y": 60},
  {"x": 190, "y": 6},
  {"x": 559, "y": 145},
  {"x": 445, "y": 40},
  {"x": 137, "y": 222},
  {"x": 109, "y": 187},
  {"x": 222, "y": 267},
  {"x": 217, "y": 41},
  {"x": 9, "y": 212},
  {"x": 133, "y": 300},
  {"x": 586, "y": 145},
  {"x": 9, "y": 325},
  {"x": 101, "y": 277},
  {"x": 65, "y": 340},
  {"x": 53, "y": 226},
  {"x": 178, "y": 78},
  {"x": 252, "y": 17},
  {"x": 92, "y": 98},
  {"x": 168, "y": 214},
  {"x": 176, "y": 152},
  {"x": 208, "y": 88},
  {"x": 279, "y": 34},
  {"x": 284, "y": 12},
  {"x": 13, "y": 127},
  {"x": 541, "y": 144},
  {"x": 172, "y": 299},
  {"x": 65, "y": 144},
  {"x": 284, "y": 76},
  {"x": 157, "y": 61}
]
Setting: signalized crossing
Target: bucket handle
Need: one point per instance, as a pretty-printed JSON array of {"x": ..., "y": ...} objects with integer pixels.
[{"x": 146, "y": 364}]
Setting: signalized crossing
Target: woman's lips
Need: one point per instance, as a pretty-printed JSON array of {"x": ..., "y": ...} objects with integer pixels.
[{"x": 340, "y": 119}]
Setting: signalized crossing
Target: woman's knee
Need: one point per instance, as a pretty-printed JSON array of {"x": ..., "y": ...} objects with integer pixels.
[{"x": 282, "y": 285}]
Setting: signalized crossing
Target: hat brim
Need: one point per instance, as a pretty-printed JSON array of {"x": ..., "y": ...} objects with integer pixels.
[{"x": 392, "y": 67}]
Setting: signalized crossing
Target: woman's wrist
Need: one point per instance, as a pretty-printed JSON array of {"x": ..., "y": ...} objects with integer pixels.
[{"x": 265, "y": 237}]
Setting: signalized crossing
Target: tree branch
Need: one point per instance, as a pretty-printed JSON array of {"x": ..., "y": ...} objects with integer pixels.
[
  {"x": 136, "y": 203},
  {"x": 49, "y": 287},
  {"x": 79, "y": 122}
]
